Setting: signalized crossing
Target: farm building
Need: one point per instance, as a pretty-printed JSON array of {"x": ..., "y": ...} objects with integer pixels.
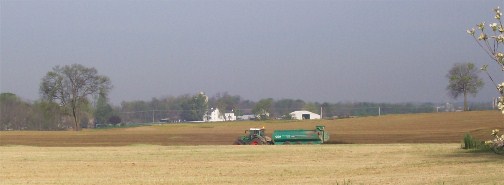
[
  {"x": 302, "y": 114},
  {"x": 246, "y": 117},
  {"x": 215, "y": 115}
]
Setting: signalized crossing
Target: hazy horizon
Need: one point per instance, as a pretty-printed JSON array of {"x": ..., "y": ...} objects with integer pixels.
[{"x": 317, "y": 51}]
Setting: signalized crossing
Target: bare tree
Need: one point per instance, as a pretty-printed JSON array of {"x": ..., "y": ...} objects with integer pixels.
[
  {"x": 71, "y": 85},
  {"x": 463, "y": 79}
]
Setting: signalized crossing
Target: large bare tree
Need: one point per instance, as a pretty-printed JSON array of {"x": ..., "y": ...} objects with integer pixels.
[{"x": 70, "y": 86}]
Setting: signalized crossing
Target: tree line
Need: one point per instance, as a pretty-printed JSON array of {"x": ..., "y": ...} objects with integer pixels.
[
  {"x": 74, "y": 97},
  {"x": 176, "y": 109},
  {"x": 17, "y": 114}
]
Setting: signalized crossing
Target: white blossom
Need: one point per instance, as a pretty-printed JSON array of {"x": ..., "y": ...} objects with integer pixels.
[
  {"x": 495, "y": 132},
  {"x": 493, "y": 26},
  {"x": 471, "y": 31},
  {"x": 500, "y": 87},
  {"x": 481, "y": 26},
  {"x": 483, "y": 37},
  {"x": 498, "y": 13},
  {"x": 500, "y": 38}
]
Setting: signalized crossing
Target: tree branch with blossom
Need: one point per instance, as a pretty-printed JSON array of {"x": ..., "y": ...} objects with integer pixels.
[{"x": 493, "y": 50}]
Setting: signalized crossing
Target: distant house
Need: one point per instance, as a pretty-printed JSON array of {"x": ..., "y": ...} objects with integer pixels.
[
  {"x": 214, "y": 115},
  {"x": 302, "y": 114},
  {"x": 230, "y": 116}
]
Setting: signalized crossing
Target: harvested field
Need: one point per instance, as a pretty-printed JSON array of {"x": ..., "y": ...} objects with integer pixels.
[
  {"x": 410, "y": 128},
  {"x": 301, "y": 164},
  {"x": 399, "y": 149}
]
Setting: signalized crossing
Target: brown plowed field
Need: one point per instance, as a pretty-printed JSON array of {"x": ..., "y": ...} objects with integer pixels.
[{"x": 409, "y": 128}]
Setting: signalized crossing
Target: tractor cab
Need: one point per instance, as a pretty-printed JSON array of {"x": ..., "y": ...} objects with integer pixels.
[{"x": 254, "y": 132}]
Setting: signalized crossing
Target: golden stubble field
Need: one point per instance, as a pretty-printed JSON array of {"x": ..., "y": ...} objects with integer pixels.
[
  {"x": 392, "y": 149},
  {"x": 210, "y": 164}
]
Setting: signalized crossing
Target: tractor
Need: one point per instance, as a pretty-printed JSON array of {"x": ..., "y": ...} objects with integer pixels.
[
  {"x": 257, "y": 136},
  {"x": 254, "y": 136}
]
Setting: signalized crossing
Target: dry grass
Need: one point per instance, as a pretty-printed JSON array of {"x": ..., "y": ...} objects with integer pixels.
[
  {"x": 412, "y": 128},
  {"x": 161, "y": 155},
  {"x": 308, "y": 164}
]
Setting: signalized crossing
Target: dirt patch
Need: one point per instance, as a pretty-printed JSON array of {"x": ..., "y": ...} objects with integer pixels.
[{"x": 411, "y": 128}]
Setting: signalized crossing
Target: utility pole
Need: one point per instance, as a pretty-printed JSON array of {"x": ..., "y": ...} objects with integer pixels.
[
  {"x": 379, "y": 111},
  {"x": 321, "y": 117}
]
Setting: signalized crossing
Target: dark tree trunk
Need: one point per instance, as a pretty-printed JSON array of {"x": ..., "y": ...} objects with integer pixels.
[
  {"x": 76, "y": 120},
  {"x": 465, "y": 101}
]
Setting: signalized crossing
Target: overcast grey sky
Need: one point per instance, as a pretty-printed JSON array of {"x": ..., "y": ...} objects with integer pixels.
[{"x": 326, "y": 51}]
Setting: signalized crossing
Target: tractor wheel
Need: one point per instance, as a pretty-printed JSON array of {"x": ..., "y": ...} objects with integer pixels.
[
  {"x": 239, "y": 141},
  {"x": 256, "y": 141}
]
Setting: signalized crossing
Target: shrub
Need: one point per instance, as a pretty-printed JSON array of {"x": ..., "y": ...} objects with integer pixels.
[
  {"x": 469, "y": 142},
  {"x": 472, "y": 143}
]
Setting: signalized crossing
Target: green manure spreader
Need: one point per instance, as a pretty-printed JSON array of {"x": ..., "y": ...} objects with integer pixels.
[{"x": 257, "y": 136}]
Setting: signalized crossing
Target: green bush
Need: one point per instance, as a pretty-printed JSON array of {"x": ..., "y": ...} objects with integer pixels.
[
  {"x": 472, "y": 143},
  {"x": 468, "y": 142}
]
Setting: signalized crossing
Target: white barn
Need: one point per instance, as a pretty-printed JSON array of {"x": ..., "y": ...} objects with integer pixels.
[
  {"x": 246, "y": 117},
  {"x": 215, "y": 115},
  {"x": 302, "y": 114}
]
